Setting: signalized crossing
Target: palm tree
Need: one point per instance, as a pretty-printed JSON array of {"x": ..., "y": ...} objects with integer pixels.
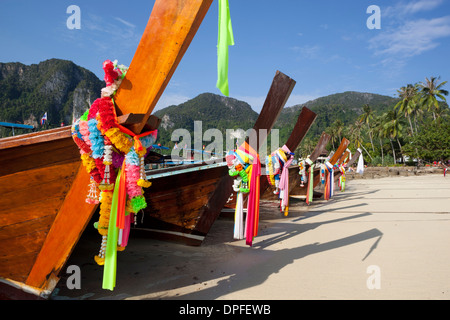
[
  {"x": 408, "y": 103},
  {"x": 392, "y": 128},
  {"x": 366, "y": 117},
  {"x": 430, "y": 91},
  {"x": 379, "y": 132},
  {"x": 354, "y": 132},
  {"x": 306, "y": 148},
  {"x": 333, "y": 134},
  {"x": 338, "y": 127}
]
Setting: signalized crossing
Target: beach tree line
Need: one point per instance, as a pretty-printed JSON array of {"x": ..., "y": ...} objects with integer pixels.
[{"x": 415, "y": 130}]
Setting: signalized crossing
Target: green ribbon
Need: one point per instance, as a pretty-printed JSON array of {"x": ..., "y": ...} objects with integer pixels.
[
  {"x": 109, "y": 271},
  {"x": 225, "y": 39},
  {"x": 310, "y": 186}
]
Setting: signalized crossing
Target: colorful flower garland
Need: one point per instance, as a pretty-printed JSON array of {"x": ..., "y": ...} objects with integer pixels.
[
  {"x": 108, "y": 150},
  {"x": 277, "y": 165},
  {"x": 244, "y": 164}
]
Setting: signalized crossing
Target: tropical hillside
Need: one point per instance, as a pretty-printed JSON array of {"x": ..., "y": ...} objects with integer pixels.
[{"x": 413, "y": 125}]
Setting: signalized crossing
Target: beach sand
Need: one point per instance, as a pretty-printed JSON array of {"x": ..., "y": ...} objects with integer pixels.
[{"x": 385, "y": 238}]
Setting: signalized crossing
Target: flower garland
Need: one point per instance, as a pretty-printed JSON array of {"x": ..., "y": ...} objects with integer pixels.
[
  {"x": 107, "y": 149},
  {"x": 244, "y": 164}
]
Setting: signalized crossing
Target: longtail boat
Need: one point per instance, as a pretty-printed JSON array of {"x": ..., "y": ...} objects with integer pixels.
[
  {"x": 304, "y": 122},
  {"x": 42, "y": 181},
  {"x": 294, "y": 176},
  {"x": 298, "y": 190},
  {"x": 348, "y": 161},
  {"x": 184, "y": 201}
]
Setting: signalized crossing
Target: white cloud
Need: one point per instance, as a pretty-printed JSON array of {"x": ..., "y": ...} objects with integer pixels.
[
  {"x": 411, "y": 38},
  {"x": 407, "y": 8},
  {"x": 405, "y": 33},
  {"x": 128, "y": 24},
  {"x": 102, "y": 32},
  {"x": 307, "y": 51}
]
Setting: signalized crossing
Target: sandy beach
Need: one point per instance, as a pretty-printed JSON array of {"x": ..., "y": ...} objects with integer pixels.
[{"x": 385, "y": 238}]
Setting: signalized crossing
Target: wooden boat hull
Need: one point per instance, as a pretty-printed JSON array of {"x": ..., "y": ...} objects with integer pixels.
[
  {"x": 176, "y": 201},
  {"x": 41, "y": 215}
]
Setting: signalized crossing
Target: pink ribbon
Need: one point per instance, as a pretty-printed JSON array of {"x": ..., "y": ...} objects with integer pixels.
[{"x": 284, "y": 179}]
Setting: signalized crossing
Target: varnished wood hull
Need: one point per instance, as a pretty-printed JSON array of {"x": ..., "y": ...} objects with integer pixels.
[
  {"x": 176, "y": 201},
  {"x": 42, "y": 212}
]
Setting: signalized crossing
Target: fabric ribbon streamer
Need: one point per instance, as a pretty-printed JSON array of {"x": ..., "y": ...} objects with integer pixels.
[
  {"x": 251, "y": 229},
  {"x": 342, "y": 178},
  {"x": 109, "y": 271},
  {"x": 310, "y": 183},
  {"x": 323, "y": 169},
  {"x": 121, "y": 199},
  {"x": 239, "y": 217},
  {"x": 284, "y": 182},
  {"x": 360, "y": 167},
  {"x": 329, "y": 183},
  {"x": 225, "y": 39},
  {"x": 244, "y": 164}
]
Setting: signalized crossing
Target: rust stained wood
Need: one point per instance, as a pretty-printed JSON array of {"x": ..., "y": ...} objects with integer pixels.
[
  {"x": 63, "y": 235},
  {"x": 277, "y": 97},
  {"x": 169, "y": 32}
]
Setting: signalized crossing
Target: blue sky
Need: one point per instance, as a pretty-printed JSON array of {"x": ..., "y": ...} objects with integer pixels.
[{"x": 325, "y": 46}]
